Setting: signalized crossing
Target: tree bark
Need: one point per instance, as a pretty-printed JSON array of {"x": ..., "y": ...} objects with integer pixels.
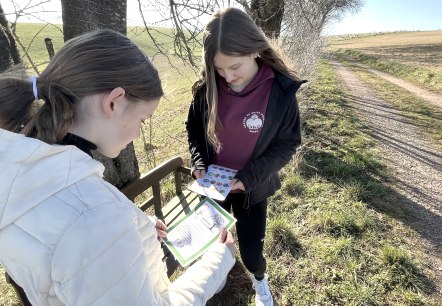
[
  {"x": 268, "y": 15},
  {"x": 122, "y": 170},
  {"x": 81, "y": 16},
  {"x": 9, "y": 54}
]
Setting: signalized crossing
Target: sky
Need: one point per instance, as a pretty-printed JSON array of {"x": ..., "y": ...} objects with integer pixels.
[
  {"x": 375, "y": 15},
  {"x": 392, "y": 15}
]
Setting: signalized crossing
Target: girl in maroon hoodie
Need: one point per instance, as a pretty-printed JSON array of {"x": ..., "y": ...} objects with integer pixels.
[{"x": 244, "y": 116}]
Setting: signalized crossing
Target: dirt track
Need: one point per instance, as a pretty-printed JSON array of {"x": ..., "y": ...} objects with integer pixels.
[
  {"x": 430, "y": 97},
  {"x": 416, "y": 166}
]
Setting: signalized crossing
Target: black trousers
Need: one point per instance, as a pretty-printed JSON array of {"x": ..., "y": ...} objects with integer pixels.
[{"x": 250, "y": 229}]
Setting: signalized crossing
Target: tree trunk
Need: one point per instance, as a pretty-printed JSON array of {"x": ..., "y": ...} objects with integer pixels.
[
  {"x": 268, "y": 15},
  {"x": 81, "y": 16},
  {"x": 9, "y": 54},
  {"x": 121, "y": 170}
]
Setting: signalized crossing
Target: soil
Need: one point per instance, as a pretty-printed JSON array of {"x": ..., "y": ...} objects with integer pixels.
[{"x": 414, "y": 161}]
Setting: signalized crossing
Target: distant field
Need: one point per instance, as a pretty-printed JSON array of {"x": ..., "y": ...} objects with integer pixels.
[
  {"x": 416, "y": 48},
  {"x": 32, "y": 36}
]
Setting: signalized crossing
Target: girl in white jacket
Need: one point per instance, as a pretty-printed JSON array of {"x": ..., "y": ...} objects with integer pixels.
[{"x": 67, "y": 237}]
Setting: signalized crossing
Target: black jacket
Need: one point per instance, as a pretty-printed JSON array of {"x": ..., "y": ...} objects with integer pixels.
[{"x": 280, "y": 137}]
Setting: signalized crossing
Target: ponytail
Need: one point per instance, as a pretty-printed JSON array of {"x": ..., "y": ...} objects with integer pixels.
[
  {"x": 47, "y": 119},
  {"x": 16, "y": 103},
  {"x": 92, "y": 63},
  {"x": 54, "y": 118}
]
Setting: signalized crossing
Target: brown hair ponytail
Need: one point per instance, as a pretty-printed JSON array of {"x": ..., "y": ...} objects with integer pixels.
[
  {"x": 57, "y": 114},
  {"x": 96, "y": 62},
  {"x": 16, "y": 102}
]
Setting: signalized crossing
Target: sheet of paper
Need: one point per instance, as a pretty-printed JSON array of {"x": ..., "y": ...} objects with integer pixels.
[
  {"x": 216, "y": 182},
  {"x": 191, "y": 236}
]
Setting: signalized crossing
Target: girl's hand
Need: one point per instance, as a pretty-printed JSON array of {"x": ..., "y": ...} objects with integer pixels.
[
  {"x": 226, "y": 238},
  {"x": 199, "y": 173},
  {"x": 237, "y": 184},
  {"x": 161, "y": 229}
]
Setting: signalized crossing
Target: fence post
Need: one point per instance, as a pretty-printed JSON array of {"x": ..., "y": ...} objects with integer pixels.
[{"x": 49, "y": 47}]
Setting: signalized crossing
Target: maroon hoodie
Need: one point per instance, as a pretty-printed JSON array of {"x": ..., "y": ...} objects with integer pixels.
[{"x": 242, "y": 115}]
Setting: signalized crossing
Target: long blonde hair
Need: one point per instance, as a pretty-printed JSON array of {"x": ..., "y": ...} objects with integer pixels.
[{"x": 231, "y": 32}]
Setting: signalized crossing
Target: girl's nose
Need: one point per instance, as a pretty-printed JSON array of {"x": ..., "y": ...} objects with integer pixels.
[{"x": 229, "y": 77}]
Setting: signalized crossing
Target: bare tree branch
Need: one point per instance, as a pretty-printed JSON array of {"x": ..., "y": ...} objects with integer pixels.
[
  {"x": 180, "y": 41},
  {"x": 304, "y": 21},
  {"x": 28, "y": 10},
  {"x": 26, "y": 54},
  {"x": 148, "y": 30},
  {"x": 183, "y": 16},
  {"x": 245, "y": 5}
]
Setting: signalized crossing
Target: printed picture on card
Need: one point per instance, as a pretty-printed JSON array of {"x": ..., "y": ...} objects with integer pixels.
[{"x": 216, "y": 182}]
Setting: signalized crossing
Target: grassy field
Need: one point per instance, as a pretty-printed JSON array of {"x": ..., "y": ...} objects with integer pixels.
[
  {"x": 165, "y": 135},
  {"x": 32, "y": 36},
  {"x": 336, "y": 235},
  {"x": 340, "y": 242},
  {"x": 418, "y": 48},
  {"x": 414, "y": 56}
]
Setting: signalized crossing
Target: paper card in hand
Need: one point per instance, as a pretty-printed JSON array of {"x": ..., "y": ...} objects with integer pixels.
[
  {"x": 192, "y": 235},
  {"x": 216, "y": 182}
]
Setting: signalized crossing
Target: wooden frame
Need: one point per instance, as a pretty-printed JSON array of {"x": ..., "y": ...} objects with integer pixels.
[{"x": 169, "y": 212}]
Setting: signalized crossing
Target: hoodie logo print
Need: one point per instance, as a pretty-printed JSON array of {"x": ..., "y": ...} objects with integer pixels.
[{"x": 253, "y": 121}]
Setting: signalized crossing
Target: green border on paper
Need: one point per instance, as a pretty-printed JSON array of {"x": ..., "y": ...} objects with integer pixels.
[{"x": 186, "y": 261}]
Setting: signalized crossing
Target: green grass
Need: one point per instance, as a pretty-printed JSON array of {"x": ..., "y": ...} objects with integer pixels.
[
  {"x": 329, "y": 241},
  {"x": 164, "y": 135},
  {"x": 422, "y": 76},
  {"x": 32, "y": 36}
]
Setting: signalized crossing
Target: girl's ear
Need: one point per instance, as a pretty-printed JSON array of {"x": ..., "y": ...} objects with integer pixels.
[{"x": 109, "y": 101}]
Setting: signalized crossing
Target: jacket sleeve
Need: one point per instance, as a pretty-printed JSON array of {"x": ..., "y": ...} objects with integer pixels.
[
  {"x": 196, "y": 134},
  {"x": 119, "y": 262},
  {"x": 277, "y": 154}
]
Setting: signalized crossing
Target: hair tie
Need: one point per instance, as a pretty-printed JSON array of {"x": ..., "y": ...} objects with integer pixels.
[{"x": 33, "y": 79}]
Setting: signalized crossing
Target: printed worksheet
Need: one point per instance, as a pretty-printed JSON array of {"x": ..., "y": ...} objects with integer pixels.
[
  {"x": 191, "y": 236},
  {"x": 216, "y": 182}
]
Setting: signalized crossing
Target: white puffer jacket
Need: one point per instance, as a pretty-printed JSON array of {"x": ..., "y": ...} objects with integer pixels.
[{"x": 70, "y": 238}]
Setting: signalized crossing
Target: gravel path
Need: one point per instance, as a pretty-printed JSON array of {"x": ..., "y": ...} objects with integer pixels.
[
  {"x": 415, "y": 163},
  {"x": 431, "y": 97}
]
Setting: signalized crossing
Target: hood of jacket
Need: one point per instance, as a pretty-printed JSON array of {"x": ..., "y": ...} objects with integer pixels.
[{"x": 31, "y": 171}]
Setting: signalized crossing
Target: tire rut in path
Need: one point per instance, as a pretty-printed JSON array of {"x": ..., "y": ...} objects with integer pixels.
[
  {"x": 416, "y": 165},
  {"x": 431, "y": 97}
]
